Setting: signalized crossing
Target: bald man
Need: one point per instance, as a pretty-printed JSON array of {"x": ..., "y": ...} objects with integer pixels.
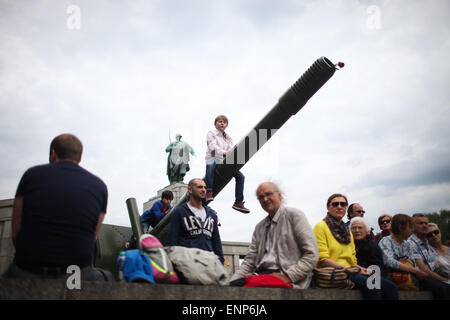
[
  {"x": 283, "y": 243},
  {"x": 193, "y": 224},
  {"x": 57, "y": 213}
]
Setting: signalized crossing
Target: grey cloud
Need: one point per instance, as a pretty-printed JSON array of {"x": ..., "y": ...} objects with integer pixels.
[
  {"x": 429, "y": 169},
  {"x": 267, "y": 13}
]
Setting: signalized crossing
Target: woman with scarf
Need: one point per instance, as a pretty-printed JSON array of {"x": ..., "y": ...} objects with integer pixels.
[{"x": 337, "y": 249}]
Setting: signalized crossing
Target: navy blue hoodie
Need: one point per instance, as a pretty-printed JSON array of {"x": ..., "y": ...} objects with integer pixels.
[{"x": 187, "y": 230}]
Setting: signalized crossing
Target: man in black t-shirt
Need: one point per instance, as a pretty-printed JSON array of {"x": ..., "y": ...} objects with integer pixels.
[{"x": 57, "y": 214}]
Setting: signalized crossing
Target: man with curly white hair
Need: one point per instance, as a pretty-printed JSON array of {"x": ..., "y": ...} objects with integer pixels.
[{"x": 283, "y": 243}]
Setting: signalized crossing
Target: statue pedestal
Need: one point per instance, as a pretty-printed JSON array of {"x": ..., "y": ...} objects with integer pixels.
[{"x": 178, "y": 189}]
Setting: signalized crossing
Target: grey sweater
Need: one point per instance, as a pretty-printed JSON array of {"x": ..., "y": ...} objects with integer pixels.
[{"x": 295, "y": 248}]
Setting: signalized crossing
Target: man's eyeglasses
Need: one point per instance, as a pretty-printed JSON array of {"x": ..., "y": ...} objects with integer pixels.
[
  {"x": 433, "y": 233},
  {"x": 267, "y": 194},
  {"x": 342, "y": 204},
  {"x": 384, "y": 222},
  {"x": 360, "y": 211}
]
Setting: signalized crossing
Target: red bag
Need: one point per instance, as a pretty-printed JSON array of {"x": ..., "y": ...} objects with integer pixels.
[{"x": 267, "y": 281}]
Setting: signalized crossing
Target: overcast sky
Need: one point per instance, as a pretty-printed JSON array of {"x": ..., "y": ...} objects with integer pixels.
[{"x": 125, "y": 76}]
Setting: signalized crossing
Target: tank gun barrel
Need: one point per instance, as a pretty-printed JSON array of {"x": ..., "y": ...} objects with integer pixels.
[{"x": 288, "y": 105}]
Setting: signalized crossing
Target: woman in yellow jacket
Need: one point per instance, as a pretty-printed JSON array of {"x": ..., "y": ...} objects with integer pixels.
[{"x": 337, "y": 249}]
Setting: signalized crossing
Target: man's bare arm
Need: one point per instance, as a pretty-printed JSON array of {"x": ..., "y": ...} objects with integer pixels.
[{"x": 101, "y": 217}]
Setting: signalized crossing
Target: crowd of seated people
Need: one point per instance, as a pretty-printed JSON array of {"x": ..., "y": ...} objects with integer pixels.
[{"x": 408, "y": 252}]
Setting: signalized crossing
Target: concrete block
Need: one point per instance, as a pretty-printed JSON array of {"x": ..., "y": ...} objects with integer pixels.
[{"x": 37, "y": 289}]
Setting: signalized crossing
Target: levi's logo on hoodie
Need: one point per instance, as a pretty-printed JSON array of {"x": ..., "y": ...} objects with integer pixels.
[{"x": 195, "y": 226}]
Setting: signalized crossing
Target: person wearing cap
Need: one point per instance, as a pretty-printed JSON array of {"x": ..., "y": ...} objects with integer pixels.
[{"x": 57, "y": 214}]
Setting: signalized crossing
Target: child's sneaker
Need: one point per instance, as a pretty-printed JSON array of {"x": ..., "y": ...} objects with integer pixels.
[{"x": 239, "y": 206}]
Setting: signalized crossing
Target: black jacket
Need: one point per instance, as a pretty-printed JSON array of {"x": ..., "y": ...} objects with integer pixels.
[{"x": 369, "y": 253}]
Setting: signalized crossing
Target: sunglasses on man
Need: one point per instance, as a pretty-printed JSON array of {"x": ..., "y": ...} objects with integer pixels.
[{"x": 384, "y": 222}]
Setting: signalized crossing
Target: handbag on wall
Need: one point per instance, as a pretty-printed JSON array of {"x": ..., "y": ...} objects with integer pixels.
[
  {"x": 402, "y": 279},
  {"x": 334, "y": 278},
  {"x": 265, "y": 281},
  {"x": 163, "y": 271}
]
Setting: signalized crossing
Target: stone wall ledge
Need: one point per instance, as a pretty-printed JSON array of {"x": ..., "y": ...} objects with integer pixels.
[{"x": 38, "y": 289}]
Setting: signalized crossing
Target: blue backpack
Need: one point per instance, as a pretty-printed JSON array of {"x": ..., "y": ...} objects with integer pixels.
[{"x": 134, "y": 266}]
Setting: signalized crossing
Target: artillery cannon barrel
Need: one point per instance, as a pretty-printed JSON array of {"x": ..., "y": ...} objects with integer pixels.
[
  {"x": 135, "y": 220},
  {"x": 289, "y": 104}
]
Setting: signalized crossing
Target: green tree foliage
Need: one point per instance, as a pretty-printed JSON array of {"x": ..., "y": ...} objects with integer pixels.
[{"x": 442, "y": 219}]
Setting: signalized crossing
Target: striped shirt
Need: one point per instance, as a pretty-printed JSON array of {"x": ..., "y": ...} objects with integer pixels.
[{"x": 423, "y": 251}]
